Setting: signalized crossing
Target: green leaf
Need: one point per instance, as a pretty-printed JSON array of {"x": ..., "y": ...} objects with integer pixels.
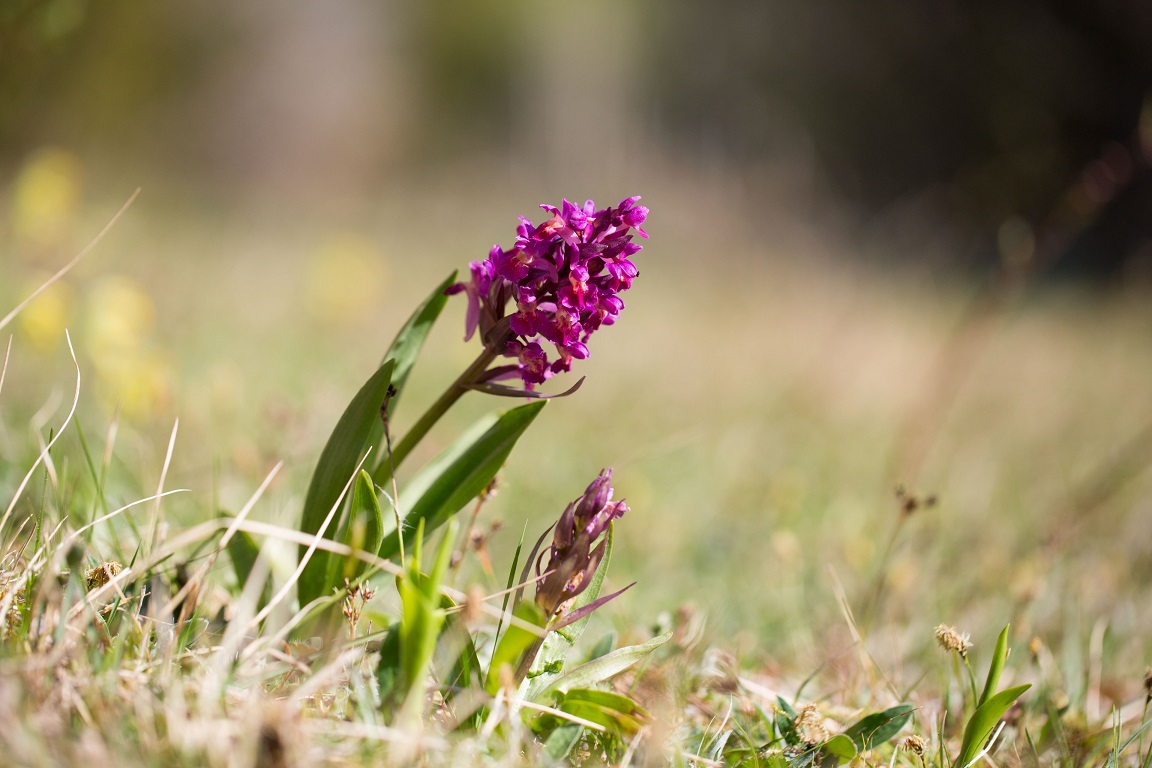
[
  {"x": 841, "y": 746},
  {"x": 466, "y": 665},
  {"x": 388, "y": 669},
  {"x": 422, "y": 616},
  {"x": 511, "y": 581},
  {"x": 243, "y": 550},
  {"x": 365, "y": 525},
  {"x": 405, "y": 348},
  {"x": 561, "y": 741},
  {"x": 999, "y": 657},
  {"x": 336, "y": 466},
  {"x": 601, "y": 669},
  {"x": 603, "y": 646},
  {"x": 614, "y": 711},
  {"x": 983, "y": 723},
  {"x": 460, "y": 473},
  {"x": 404, "y": 351},
  {"x": 875, "y": 729},
  {"x": 363, "y": 530}
]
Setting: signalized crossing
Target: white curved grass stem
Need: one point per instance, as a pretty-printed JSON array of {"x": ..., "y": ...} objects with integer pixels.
[{"x": 47, "y": 448}]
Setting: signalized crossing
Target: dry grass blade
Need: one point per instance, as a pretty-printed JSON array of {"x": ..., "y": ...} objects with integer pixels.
[
  {"x": 233, "y": 527},
  {"x": 291, "y": 582},
  {"x": 154, "y": 523}
]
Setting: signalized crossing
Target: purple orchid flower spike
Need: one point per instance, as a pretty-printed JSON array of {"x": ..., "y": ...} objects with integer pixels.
[
  {"x": 563, "y": 277},
  {"x": 575, "y": 554}
]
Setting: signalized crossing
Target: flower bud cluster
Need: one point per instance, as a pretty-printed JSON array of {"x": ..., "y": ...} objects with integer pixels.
[{"x": 572, "y": 559}]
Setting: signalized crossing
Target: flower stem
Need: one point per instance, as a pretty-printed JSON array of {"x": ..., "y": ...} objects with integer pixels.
[{"x": 446, "y": 400}]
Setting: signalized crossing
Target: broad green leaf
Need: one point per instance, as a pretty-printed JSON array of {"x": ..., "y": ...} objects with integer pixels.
[
  {"x": 515, "y": 641},
  {"x": 404, "y": 351},
  {"x": 558, "y": 643},
  {"x": 841, "y": 746},
  {"x": 785, "y": 721},
  {"x": 613, "y": 711},
  {"x": 388, "y": 669},
  {"x": 983, "y": 722},
  {"x": 561, "y": 741},
  {"x": 873, "y": 730},
  {"x": 599, "y": 670},
  {"x": 785, "y": 708},
  {"x": 459, "y": 474},
  {"x": 999, "y": 657},
  {"x": 364, "y": 531},
  {"x": 405, "y": 348},
  {"x": 336, "y": 466},
  {"x": 365, "y": 519},
  {"x": 243, "y": 550}
]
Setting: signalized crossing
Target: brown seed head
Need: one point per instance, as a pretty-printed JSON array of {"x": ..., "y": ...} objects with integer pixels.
[
  {"x": 97, "y": 577},
  {"x": 810, "y": 725},
  {"x": 952, "y": 640},
  {"x": 914, "y": 744}
]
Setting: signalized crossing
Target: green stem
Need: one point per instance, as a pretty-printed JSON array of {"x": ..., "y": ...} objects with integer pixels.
[
  {"x": 972, "y": 682},
  {"x": 446, "y": 400}
]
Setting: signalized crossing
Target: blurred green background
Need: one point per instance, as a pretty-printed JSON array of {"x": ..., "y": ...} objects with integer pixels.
[{"x": 896, "y": 242}]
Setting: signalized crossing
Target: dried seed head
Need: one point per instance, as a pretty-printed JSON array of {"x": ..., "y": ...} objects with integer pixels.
[
  {"x": 101, "y": 575},
  {"x": 810, "y": 725},
  {"x": 1148, "y": 683},
  {"x": 914, "y": 744},
  {"x": 952, "y": 640}
]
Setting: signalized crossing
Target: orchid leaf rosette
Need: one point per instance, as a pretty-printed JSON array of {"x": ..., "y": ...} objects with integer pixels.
[{"x": 563, "y": 278}]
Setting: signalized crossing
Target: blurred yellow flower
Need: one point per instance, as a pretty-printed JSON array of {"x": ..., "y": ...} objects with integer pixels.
[
  {"x": 345, "y": 279},
  {"x": 45, "y": 195},
  {"x": 120, "y": 316},
  {"x": 139, "y": 382},
  {"x": 131, "y": 372},
  {"x": 45, "y": 319}
]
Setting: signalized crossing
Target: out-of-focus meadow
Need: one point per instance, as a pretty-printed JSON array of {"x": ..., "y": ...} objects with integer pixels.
[{"x": 812, "y": 327}]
